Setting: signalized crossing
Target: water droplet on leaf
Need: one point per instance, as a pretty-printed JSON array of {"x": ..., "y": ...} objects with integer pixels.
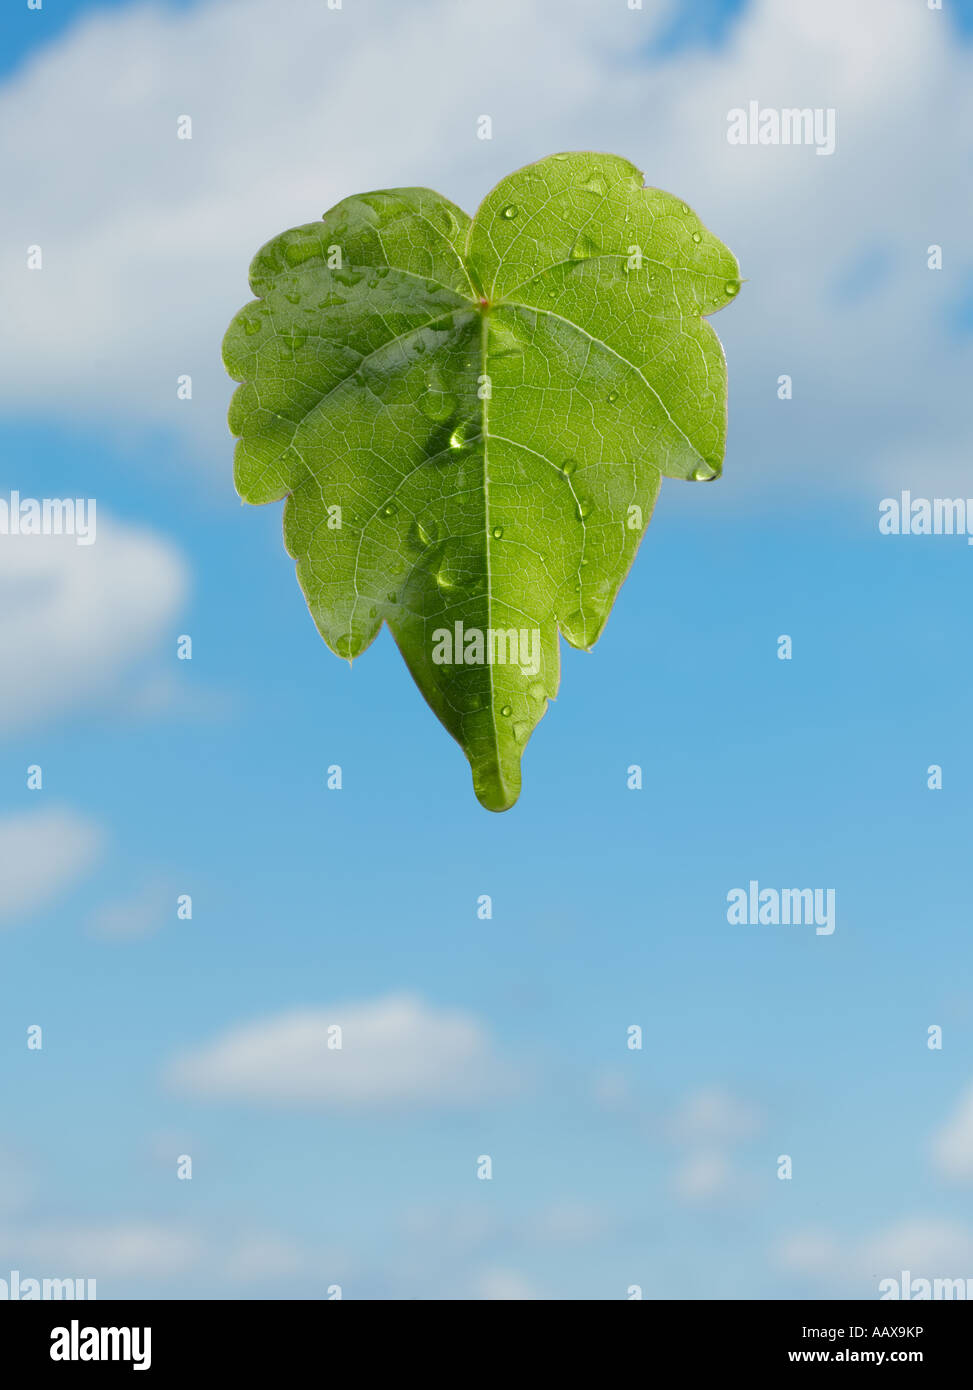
[
  {"x": 422, "y": 534},
  {"x": 583, "y": 249},
  {"x": 576, "y": 624},
  {"x": 463, "y": 433},
  {"x": 510, "y": 210},
  {"x": 437, "y": 405},
  {"x": 503, "y": 341}
]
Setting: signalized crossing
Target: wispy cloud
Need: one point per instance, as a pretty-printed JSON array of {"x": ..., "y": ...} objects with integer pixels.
[
  {"x": 372, "y": 1054},
  {"x": 952, "y": 1146},
  {"x": 43, "y": 854},
  {"x": 76, "y": 619}
]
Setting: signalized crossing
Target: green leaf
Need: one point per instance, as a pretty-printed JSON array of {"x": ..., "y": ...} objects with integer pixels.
[{"x": 470, "y": 420}]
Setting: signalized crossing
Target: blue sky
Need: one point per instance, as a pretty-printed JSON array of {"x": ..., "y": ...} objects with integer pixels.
[{"x": 611, "y": 1167}]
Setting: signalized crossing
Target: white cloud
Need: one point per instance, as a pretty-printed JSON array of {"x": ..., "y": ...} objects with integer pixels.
[
  {"x": 145, "y": 1248},
  {"x": 147, "y": 238},
  {"x": 468, "y": 1227},
  {"x": 73, "y": 618},
  {"x": 395, "y": 1051},
  {"x": 707, "y": 1125},
  {"x": 921, "y": 1243},
  {"x": 713, "y": 1116},
  {"x": 953, "y": 1145},
  {"x": 17, "y": 1182},
  {"x": 263, "y": 1258},
  {"x": 504, "y": 1285},
  {"x": 134, "y": 1249},
  {"x": 928, "y": 1247},
  {"x": 456, "y": 1226},
  {"x": 612, "y": 1091},
  {"x": 42, "y": 855},
  {"x": 703, "y": 1178},
  {"x": 138, "y": 914},
  {"x": 168, "y": 693},
  {"x": 569, "y": 1223},
  {"x": 815, "y": 1252}
]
